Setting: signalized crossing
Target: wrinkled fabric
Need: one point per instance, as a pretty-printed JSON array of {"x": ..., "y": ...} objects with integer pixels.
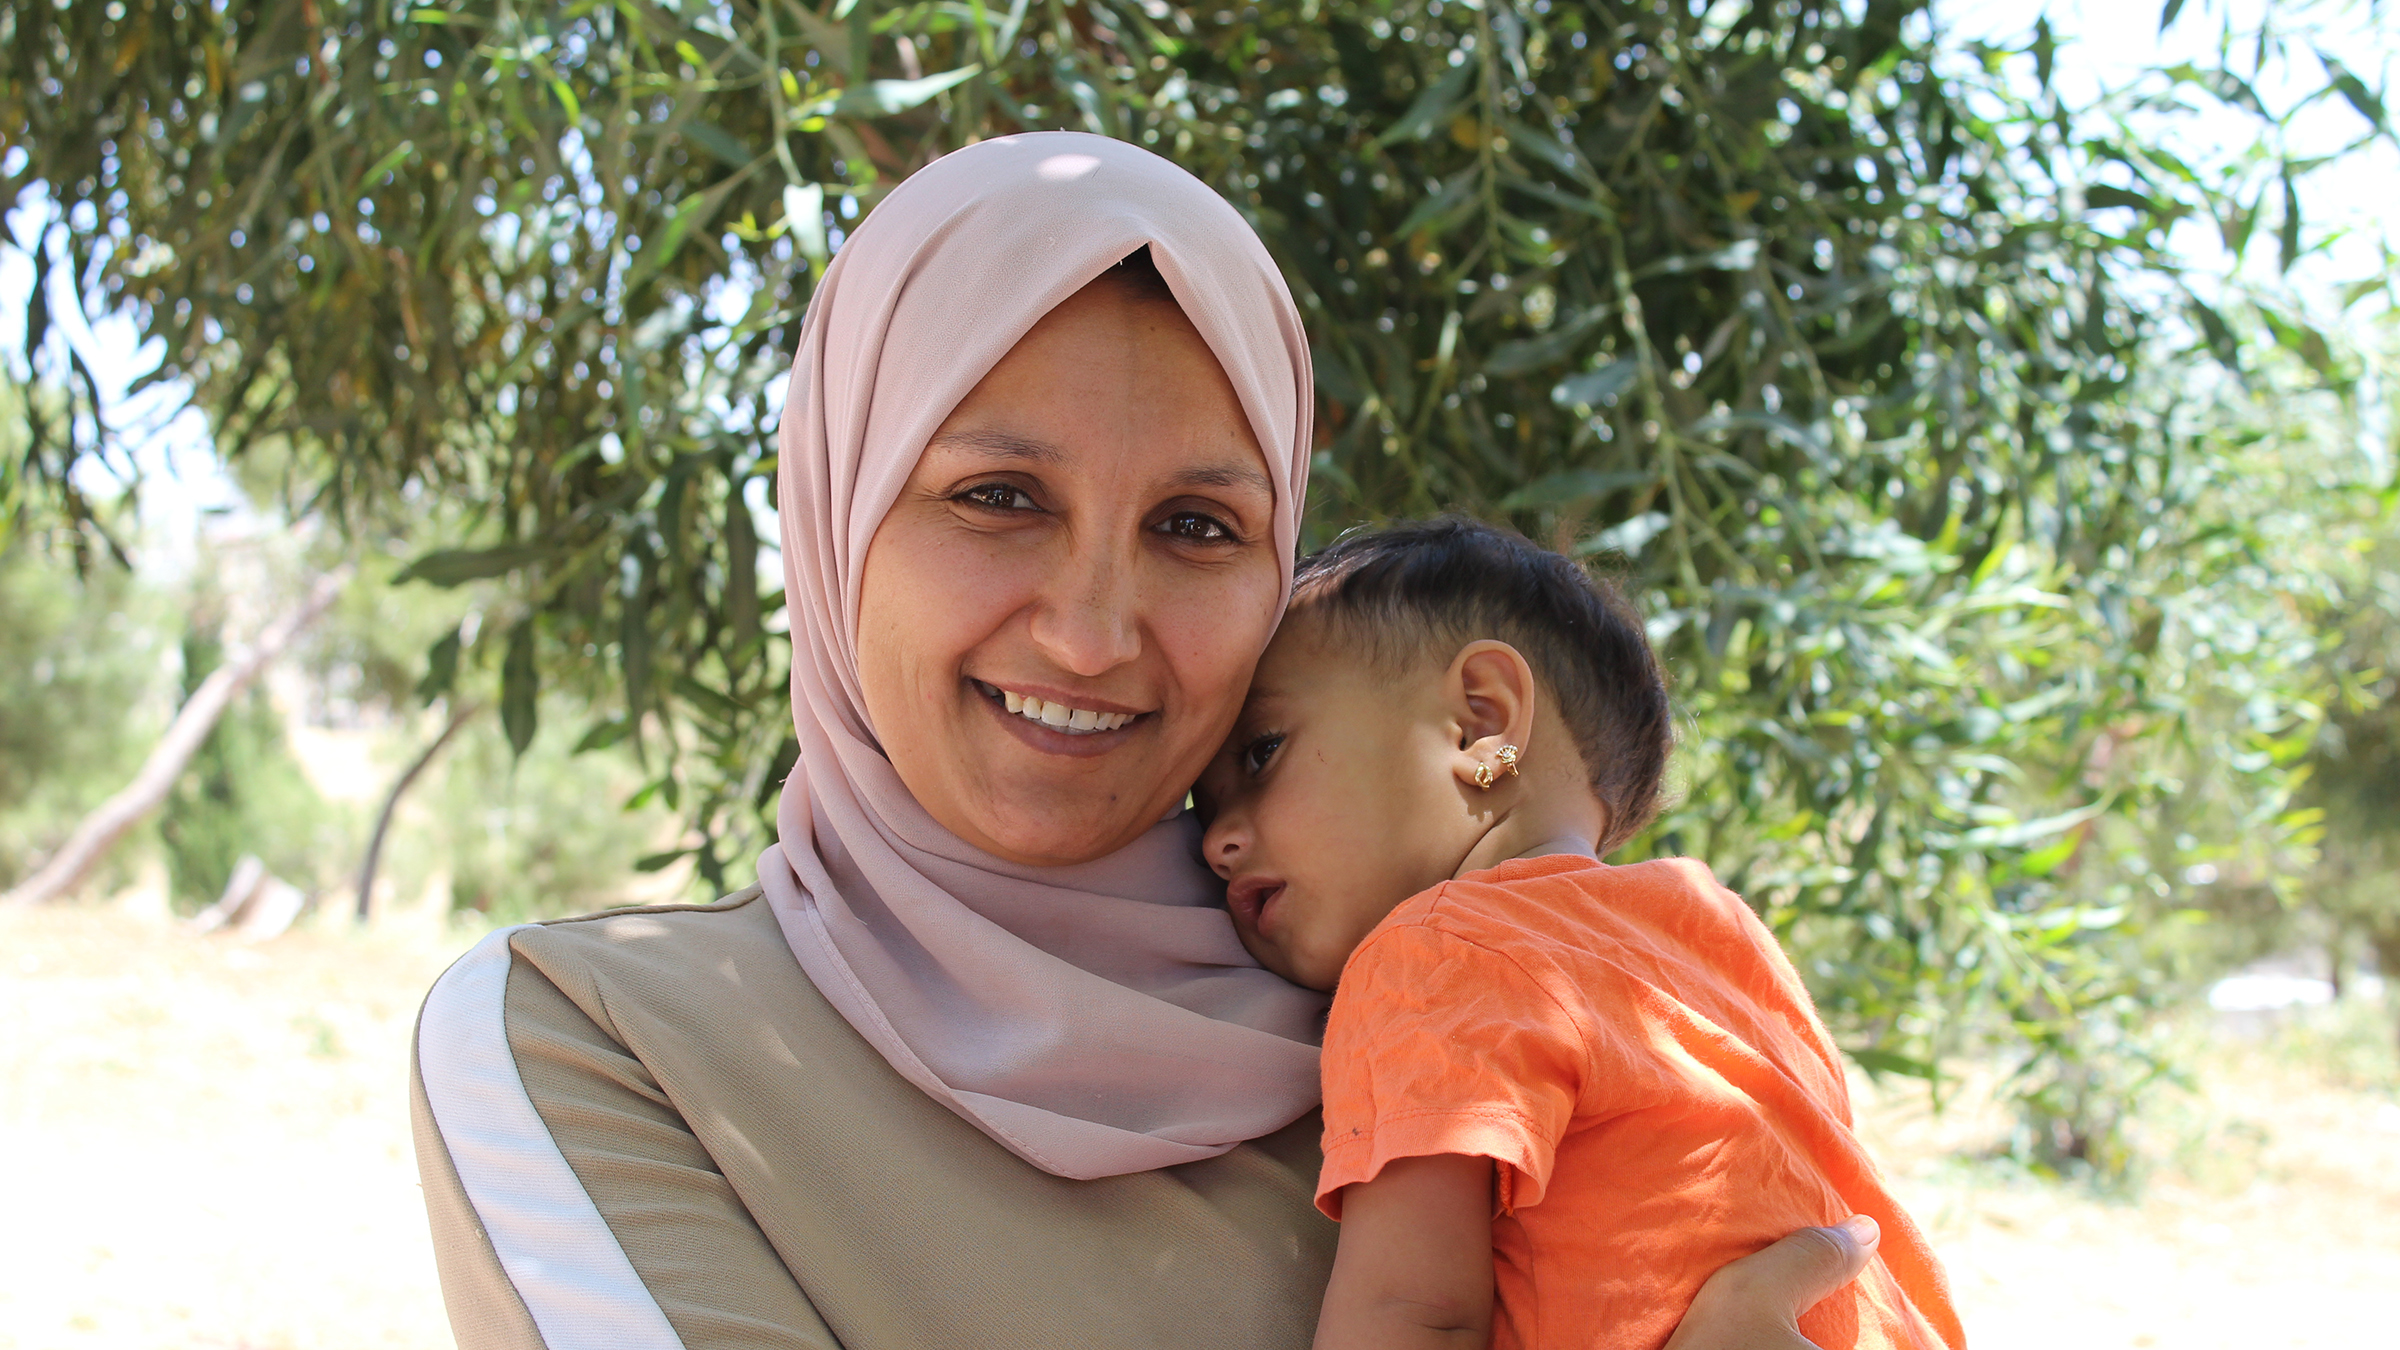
[
  {"x": 1098, "y": 1019},
  {"x": 1637, "y": 1055}
]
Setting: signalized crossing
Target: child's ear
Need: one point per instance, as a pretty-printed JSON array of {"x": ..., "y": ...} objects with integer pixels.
[{"x": 1491, "y": 692}]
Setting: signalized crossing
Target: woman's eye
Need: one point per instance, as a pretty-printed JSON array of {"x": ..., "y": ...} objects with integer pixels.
[
  {"x": 1194, "y": 527},
  {"x": 997, "y": 497},
  {"x": 1256, "y": 754}
]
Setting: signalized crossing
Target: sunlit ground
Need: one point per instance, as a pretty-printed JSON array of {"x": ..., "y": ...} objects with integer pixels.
[{"x": 208, "y": 1147}]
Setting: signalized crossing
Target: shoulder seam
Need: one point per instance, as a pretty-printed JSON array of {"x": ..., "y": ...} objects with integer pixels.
[
  {"x": 731, "y": 902},
  {"x": 1583, "y": 1034}
]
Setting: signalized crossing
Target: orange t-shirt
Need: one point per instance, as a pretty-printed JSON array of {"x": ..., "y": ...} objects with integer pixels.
[{"x": 1634, "y": 1051}]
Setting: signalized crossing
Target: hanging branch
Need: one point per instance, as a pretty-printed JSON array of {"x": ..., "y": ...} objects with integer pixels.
[{"x": 460, "y": 715}]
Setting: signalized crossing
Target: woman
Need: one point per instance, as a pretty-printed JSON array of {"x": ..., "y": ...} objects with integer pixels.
[{"x": 980, "y": 1061}]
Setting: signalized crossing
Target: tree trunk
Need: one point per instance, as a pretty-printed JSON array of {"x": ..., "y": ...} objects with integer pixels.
[
  {"x": 2384, "y": 937},
  {"x": 460, "y": 715},
  {"x": 244, "y": 883},
  {"x": 193, "y": 722}
]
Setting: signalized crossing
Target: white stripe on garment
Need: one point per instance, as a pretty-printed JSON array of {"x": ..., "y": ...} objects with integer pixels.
[{"x": 558, "y": 1251}]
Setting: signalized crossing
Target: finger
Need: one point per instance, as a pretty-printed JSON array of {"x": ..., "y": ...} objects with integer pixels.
[
  {"x": 1810, "y": 1264},
  {"x": 1756, "y": 1302}
]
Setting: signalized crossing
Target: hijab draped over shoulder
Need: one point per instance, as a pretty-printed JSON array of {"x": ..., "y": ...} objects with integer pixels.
[{"x": 1096, "y": 1019}]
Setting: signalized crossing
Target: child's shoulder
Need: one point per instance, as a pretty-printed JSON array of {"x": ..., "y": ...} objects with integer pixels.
[
  {"x": 1565, "y": 876},
  {"x": 1576, "y": 899}
]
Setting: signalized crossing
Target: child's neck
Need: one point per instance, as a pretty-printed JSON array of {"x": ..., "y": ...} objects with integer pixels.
[{"x": 1528, "y": 828}]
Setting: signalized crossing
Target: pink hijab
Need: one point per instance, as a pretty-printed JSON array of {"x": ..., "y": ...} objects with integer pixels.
[{"x": 1097, "y": 1019}]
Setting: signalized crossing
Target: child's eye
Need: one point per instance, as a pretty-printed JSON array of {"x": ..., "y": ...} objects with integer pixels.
[{"x": 1256, "y": 754}]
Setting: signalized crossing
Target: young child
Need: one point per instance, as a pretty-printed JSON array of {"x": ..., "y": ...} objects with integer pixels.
[{"x": 1558, "y": 1094}]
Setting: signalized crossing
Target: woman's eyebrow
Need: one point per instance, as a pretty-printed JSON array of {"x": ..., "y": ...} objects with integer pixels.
[
  {"x": 1004, "y": 444},
  {"x": 1224, "y": 476},
  {"x": 1009, "y": 445}
]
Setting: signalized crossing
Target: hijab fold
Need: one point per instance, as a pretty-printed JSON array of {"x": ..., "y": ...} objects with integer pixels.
[{"x": 1096, "y": 1019}]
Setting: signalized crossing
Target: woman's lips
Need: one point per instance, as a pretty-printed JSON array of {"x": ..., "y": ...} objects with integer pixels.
[
  {"x": 1067, "y": 741},
  {"x": 1074, "y": 716}
]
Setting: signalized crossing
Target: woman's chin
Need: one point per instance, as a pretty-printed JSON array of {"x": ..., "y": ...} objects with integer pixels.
[
  {"x": 1040, "y": 817},
  {"x": 1062, "y": 838},
  {"x": 1035, "y": 806}
]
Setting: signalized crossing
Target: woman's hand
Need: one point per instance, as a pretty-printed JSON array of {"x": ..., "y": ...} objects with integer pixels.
[{"x": 1755, "y": 1303}]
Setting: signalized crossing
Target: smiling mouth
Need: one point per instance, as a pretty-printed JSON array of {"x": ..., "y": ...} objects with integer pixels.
[{"x": 1057, "y": 717}]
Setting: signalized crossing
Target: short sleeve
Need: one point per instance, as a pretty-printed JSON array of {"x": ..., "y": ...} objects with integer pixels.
[{"x": 1439, "y": 1045}]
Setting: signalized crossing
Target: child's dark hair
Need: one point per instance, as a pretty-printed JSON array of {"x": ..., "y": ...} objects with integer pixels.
[{"x": 1415, "y": 591}]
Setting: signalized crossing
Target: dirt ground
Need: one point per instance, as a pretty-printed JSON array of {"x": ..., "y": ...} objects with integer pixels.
[{"x": 209, "y": 1148}]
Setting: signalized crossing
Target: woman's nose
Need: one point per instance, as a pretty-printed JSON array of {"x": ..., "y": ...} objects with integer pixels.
[{"x": 1087, "y": 622}]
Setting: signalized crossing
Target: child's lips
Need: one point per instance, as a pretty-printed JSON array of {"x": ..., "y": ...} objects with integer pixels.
[{"x": 1248, "y": 898}]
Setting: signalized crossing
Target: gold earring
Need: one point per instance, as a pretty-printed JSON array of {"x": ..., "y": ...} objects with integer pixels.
[
  {"x": 1484, "y": 777},
  {"x": 1508, "y": 760}
]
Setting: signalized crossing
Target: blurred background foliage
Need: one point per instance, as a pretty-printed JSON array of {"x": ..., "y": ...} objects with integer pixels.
[
  {"x": 81, "y": 657},
  {"x": 2028, "y": 591}
]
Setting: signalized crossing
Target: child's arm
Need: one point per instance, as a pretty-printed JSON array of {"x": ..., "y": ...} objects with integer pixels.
[{"x": 1414, "y": 1268}]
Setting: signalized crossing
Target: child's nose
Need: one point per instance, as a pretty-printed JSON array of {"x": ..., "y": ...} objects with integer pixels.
[{"x": 1222, "y": 845}]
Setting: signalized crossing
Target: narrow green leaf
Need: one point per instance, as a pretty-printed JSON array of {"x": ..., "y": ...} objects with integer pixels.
[
  {"x": 2101, "y": 196},
  {"x": 1545, "y": 145},
  {"x": 1593, "y": 387},
  {"x": 633, "y": 654},
  {"x": 389, "y": 162},
  {"x": 659, "y": 862},
  {"x": 1571, "y": 486},
  {"x": 1738, "y": 256},
  {"x": 882, "y": 98},
  {"x": 1886, "y": 1061},
  {"x": 712, "y": 702},
  {"x": 458, "y": 566},
  {"x": 604, "y": 734},
  {"x": 2047, "y": 859},
  {"x": 2217, "y": 334},
  {"x": 2166, "y": 16},
  {"x": 2027, "y": 831},
  {"x": 1433, "y": 108},
  {"x": 2288, "y": 237},
  {"x": 1527, "y": 355},
  {"x": 2354, "y": 91},
  {"x": 520, "y": 687},
  {"x": 1438, "y": 210},
  {"x": 720, "y": 144},
  {"x": 741, "y": 568},
  {"x": 441, "y": 667},
  {"x": 567, "y": 100},
  {"x": 657, "y": 253}
]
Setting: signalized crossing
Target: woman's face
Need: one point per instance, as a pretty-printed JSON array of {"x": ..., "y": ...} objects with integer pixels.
[{"x": 1061, "y": 612}]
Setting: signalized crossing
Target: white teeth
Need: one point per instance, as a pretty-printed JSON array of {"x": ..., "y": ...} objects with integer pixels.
[{"x": 1058, "y": 716}]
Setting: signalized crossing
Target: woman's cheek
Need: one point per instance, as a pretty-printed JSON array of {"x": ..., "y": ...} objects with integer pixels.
[
  {"x": 1212, "y": 636},
  {"x": 926, "y": 603}
]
